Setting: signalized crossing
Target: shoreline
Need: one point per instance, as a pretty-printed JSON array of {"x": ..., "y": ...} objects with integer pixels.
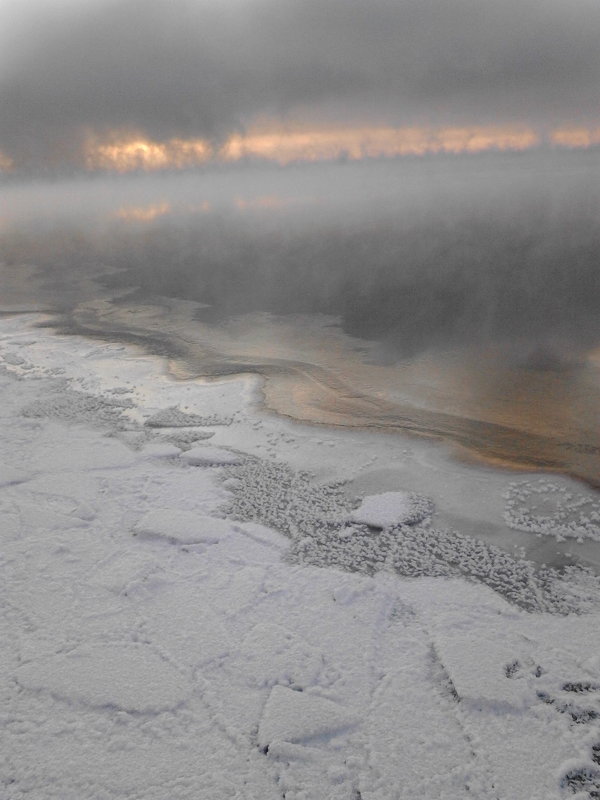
[
  {"x": 190, "y": 607},
  {"x": 424, "y": 462},
  {"x": 336, "y": 404}
]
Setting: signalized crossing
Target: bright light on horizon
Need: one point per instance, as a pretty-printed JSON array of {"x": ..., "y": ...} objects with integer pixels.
[
  {"x": 6, "y": 164},
  {"x": 135, "y": 153}
]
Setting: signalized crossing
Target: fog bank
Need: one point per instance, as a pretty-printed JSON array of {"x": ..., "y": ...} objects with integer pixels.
[{"x": 436, "y": 253}]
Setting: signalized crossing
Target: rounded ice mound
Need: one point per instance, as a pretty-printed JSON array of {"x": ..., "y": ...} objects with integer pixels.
[
  {"x": 392, "y": 508},
  {"x": 131, "y": 677}
]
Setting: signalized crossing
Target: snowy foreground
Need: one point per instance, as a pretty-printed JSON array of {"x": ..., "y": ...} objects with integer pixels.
[{"x": 200, "y": 601}]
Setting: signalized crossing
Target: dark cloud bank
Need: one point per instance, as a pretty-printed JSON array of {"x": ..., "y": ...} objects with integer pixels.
[
  {"x": 183, "y": 68},
  {"x": 425, "y": 253}
]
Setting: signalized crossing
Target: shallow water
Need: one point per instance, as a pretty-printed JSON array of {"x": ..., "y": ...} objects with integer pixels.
[
  {"x": 508, "y": 414},
  {"x": 454, "y": 298},
  {"x": 484, "y": 410}
]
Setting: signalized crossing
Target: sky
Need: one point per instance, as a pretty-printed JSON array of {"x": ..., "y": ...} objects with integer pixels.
[
  {"x": 469, "y": 246},
  {"x": 191, "y": 78}
]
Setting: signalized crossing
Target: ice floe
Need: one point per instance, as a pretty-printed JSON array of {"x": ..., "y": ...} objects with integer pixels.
[
  {"x": 274, "y": 655},
  {"x": 184, "y": 527},
  {"x": 254, "y": 639},
  {"x": 130, "y": 677},
  {"x": 299, "y": 717}
]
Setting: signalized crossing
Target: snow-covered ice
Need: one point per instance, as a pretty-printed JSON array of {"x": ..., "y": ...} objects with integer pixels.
[
  {"x": 545, "y": 507},
  {"x": 185, "y": 527},
  {"x": 392, "y": 508},
  {"x": 10, "y": 475},
  {"x": 242, "y": 620},
  {"x": 130, "y": 677},
  {"x": 295, "y": 716}
]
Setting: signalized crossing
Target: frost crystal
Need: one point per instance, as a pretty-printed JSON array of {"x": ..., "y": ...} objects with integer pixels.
[
  {"x": 548, "y": 508},
  {"x": 315, "y": 517}
]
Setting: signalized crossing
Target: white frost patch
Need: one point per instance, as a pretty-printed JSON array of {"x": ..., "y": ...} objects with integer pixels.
[
  {"x": 184, "y": 527},
  {"x": 128, "y": 677},
  {"x": 208, "y": 456},
  {"x": 297, "y": 717},
  {"x": 549, "y": 508},
  {"x": 392, "y": 508}
]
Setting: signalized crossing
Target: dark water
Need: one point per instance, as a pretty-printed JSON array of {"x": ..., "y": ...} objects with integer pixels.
[{"x": 454, "y": 298}]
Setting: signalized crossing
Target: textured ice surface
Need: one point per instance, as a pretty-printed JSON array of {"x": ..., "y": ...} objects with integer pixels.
[
  {"x": 282, "y": 498},
  {"x": 545, "y": 507},
  {"x": 209, "y": 456},
  {"x": 313, "y": 516},
  {"x": 174, "y": 417},
  {"x": 186, "y": 438},
  {"x": 63, "y": 403}
]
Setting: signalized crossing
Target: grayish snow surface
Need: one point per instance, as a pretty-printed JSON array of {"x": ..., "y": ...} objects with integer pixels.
[{"x": 247, "y": 626}]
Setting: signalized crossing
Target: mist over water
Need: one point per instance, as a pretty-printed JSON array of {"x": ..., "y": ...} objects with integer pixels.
[
  {"x": 453, "y": 271},
  {"x": 462, "y": 251}
]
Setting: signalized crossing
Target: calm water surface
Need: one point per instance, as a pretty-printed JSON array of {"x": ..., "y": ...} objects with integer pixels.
[
  {"x": 454, "y": 298},
  {"x": 515, "y": 415}
]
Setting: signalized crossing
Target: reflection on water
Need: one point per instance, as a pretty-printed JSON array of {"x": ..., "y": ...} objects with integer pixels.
[
  {"x": 523, "y": 416},
  {"x": 442, "y": 261}
]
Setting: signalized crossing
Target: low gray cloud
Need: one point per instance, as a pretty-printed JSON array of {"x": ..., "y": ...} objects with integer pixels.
[{"x": 181, "y": 68}]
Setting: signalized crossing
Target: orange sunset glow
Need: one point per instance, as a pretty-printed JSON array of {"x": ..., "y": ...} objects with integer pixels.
[
  {"x": 141, "y": 154},
  {"x": 6, "y": 164},
  {"x": 143, "y": 213},
  {"x": 575, "y": 137},
  {"x": 285, "y": 147}
]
